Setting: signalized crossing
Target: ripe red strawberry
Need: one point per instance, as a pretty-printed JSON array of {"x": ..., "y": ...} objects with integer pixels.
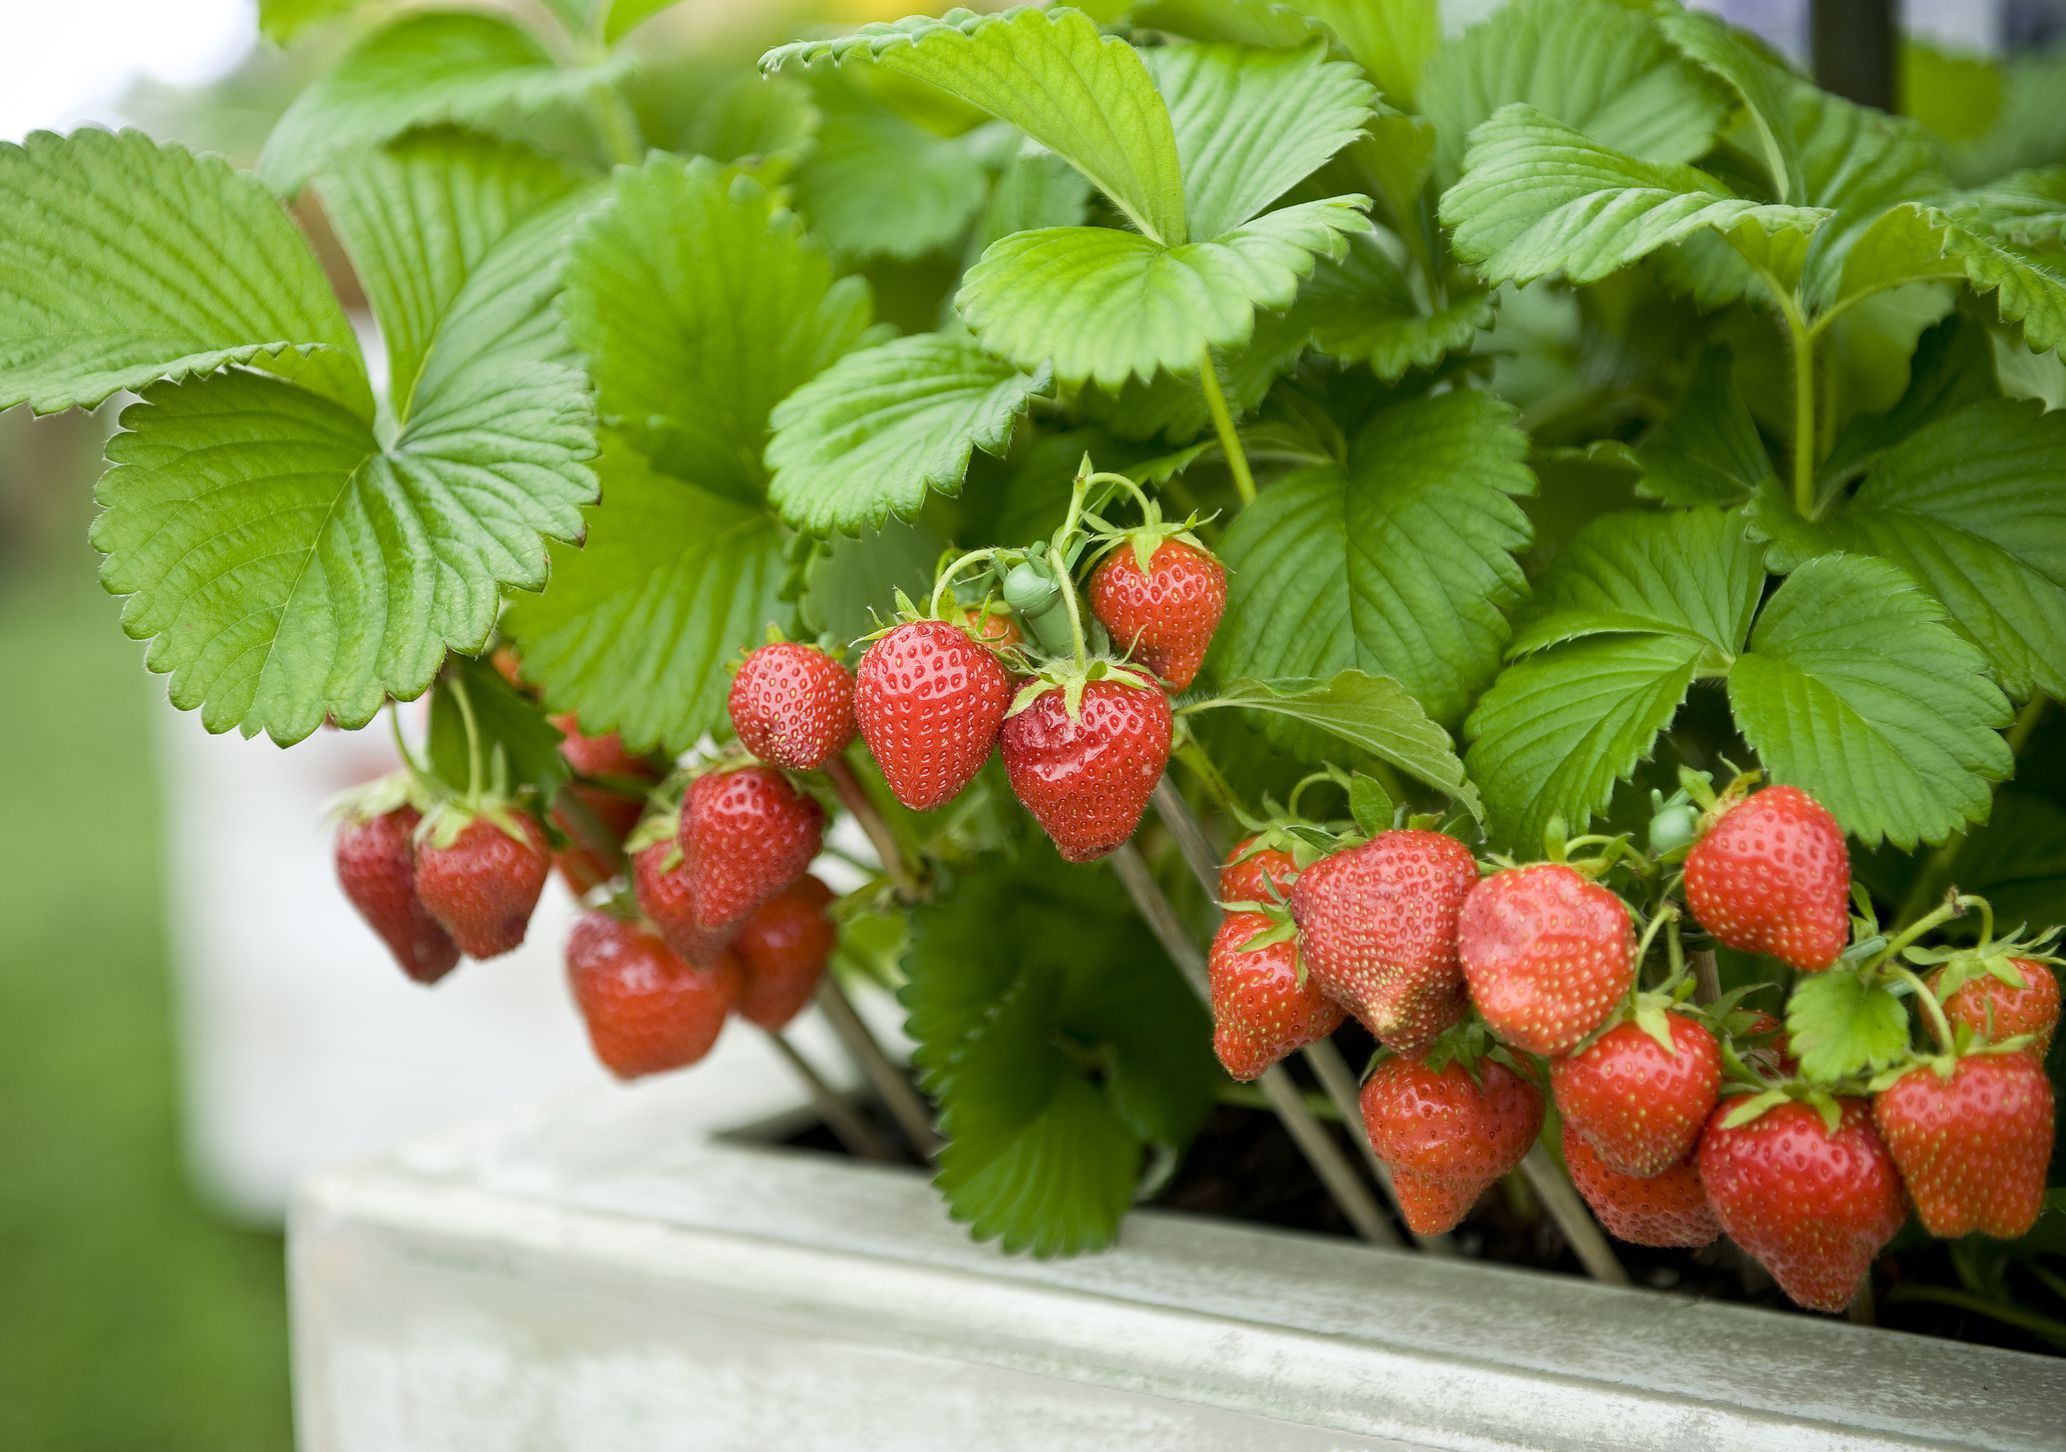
[
  {"x": 1253, "y": 874},
  {"x": 1546, "y": 954},
  {"x": 929, "y": 702},
  {"x": 600, "y": 756},
  {"x": 1665, "y": 1209},
  {"x": 1377, "y": 926},
  {"x": 1996, "y": 1011},
  {"x": 483, "y": 882},
  {"x": 376, "y": 866},
  {"x": 1972, "y": 1147},
  {"x": 1086, "y": 779},
  {"x": 1637, "y": 1104},
  {"x": 660, "y": 878},
  {"x": 793, "y": 706},
  {"x": 1772, "y": 875},
  {"x": 1445, "y": 1137},
  {"x": 1162, "y": 617},
  {"x": 745, "y": 835},
  {"x": 646, "y": 1010},
  {"x": 1260, "y": 1010},
  {"x": 1811, "y": 1207},
  {"x": 783, "y": 948}
]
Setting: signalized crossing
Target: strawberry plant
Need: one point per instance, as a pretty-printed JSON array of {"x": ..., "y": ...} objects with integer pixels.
[{"x": 1581, "y": 506}]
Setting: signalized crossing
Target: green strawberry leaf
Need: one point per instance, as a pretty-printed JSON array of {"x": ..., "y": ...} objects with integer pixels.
[
  {"x": 1083, "y": 96},
  {"x": 510, "y": 726},
  {"x": 1690, "y": 574},
  {"x": 867, "y": 438},
  {"x": 878, "y": 185},
  {"x": 1856, "y": 691},
  {"x": 2016, "y": 860},
  {"x": 1390, "y": 39},
  {"x": 1707, "y": 449},
  {"x": 1173, "y": 406},
  {"x": 1953, "y": 366},
  {"x": 1036, "y": 189},
  {"x": 850, "y": 583},
  {"x": 99, "y": 290},
  {"x": 1362, "y": 310},
  {"x": 2027, "y": 208},
  {"x": 691, "y": 371},
  {"x": 1917, "y": 241},
  {"x": 1840, "y": 1026},
  {"x": 281, "y": 20},
  {"x": 1400, "y": 563}
]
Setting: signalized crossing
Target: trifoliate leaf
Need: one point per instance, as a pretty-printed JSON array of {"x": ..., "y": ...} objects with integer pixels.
[
  {"x": 700, "y": 306},
  {"x": 1400, "y": 563},
  {"x": 101, "y": 289},
  {"x": 1103, "y": 305},
  {"x": 1854, "y": 690},
  {"x": 640, "y": 623},
  {"x": 1691, "y": 574},
  {"x": 1922, "y": 241},
  {"x": 868, "y": 437},
  {"x": 1083, "y": 96},
  {"x": 1363, "y": 311},
  {"x": 1841, "y": 1026},
  {"x": 1707, "y": 449},
  {"x": 424, "y": 68},
  {"x": 877, "y": 185}
]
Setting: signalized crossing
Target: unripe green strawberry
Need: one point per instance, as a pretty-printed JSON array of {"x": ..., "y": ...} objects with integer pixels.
[
  {"x": 1163, "y": 617},
  {"x": 1546, "y": 954},
  {"x": 1973, "y": 1146},
  {"x": 1447, "y": 1137},
  {"x": 1666, "y": 1209},
  {"x": 483, "y": 882},
  {"x": 745, "y": 835},
  {"x": 792, "y": 705},
  {"x": 929, "y": 702},
  {"x": 1637, "y": 1104},
  {"x": 646, "y": 1010},
  {"x": 1260, "y": 1010},
  {"x": 1772, "y": 875},
  {"x": 783, "y": 949},
  {"x": 1087, "y": 777},
  {"x": 1995, "y": 1010}
]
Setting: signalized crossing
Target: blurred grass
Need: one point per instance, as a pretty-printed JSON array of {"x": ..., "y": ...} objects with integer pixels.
[{"x": 129, "y": 1317}]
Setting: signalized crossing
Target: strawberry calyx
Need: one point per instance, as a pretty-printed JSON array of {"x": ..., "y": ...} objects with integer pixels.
[
  {"x": 1825, "y": 1100},
  {"x": 376, "y": 798},
  {"x": 1070, "y": 678},
  {"x": 446, "y": 819}
]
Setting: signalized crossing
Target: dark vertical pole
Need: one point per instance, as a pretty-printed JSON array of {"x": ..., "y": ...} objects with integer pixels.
[{"x": 1852, "y": 43}]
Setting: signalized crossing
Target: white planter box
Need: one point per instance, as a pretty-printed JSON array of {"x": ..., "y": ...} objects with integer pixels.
[{"x": 590, "y": 1276}]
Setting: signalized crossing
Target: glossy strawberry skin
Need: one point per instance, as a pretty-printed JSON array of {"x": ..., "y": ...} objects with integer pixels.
[
  {"x": 1163, "y": 619},
  {"x": 1264, "y": 875},
  {"x": 660, "y": 879},
  {"x": 1546, "y": 955},
  {"x": 646, "y": 1010},
  {"x": 376, "y": 867},
  {"x": 1972, "y": 1148},
  {"x": 1668, "y": 1209},
  {"x": 1995, "y": 1010},
  {"x": 484, "y": 885},
  {"x": 1446, "y": 1138},
  {"x": 1377, "y": 926},
  {"x": 1260, "y": 1011},
  {"x": 793, "y": 706},
  {"x": 1773, "y": 876},
  {"x": 783, "y": 949},
  {"x": 1087, "y": 780},
  {"x": 1637, "y": 1105},
  {"x": 1810, "y": 1207},
  {"x": 929, "y": 702},
  {"x": 745, "y": 835}
]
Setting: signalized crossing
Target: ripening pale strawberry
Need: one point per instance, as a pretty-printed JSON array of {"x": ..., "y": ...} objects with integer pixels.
[
  {"x": 783, "y": 949},
  {"x": 1256, "y": 874},
  {"x": 994, "y": 628},
  {"x": 1377, "y": 927},
  {"x": 1260, "y": 1010},
  {"x": 1773, "y": 876},
  {"x": 745, "y": 835},
  {"x": 1546, "y": 954},
  {"x": 660, "y": 879},
  {"x": 1995, "y": 1010},
  {"x": 1637, "y": 1104},
  {"x": 1811, "y": 1207},
  {"x": 1162, "y": 617},
  {"x": 793, "y": 706},
  {"x": 1666, "y": 1209},
  {"x": 1972, "y": 1147},
  {"x": 646, "y": 1010},
  {"x": 1087, "y": 778},
  {"x": 1445, "y": 1137},
  {"x": 484, "y": 882},
  {"x": 929, "y": 702},
  {"x": 376, "y": 867}
]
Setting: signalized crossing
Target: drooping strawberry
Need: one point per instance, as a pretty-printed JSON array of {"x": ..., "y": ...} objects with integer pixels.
[
  {"x": 480, "y": 875},
  {"x": 1254, "y": 873},
  {"x": 1811, "y": 1207},
  {"x": 1772, "y": 875},
  {"x": 783, "y": 949},
  {"x": 929, "y": 702},
  {"x": 647, "y": 1011},
  {"x": 1447, "y": 1137},
  {"x": 660, "y": 879},
  {"x": 1972, "y": 1145},
  {"x": 1639, "y": 1105},
  {"x": 376, "y": 867},
  {"x": 1260, "y": 1010},
  {"x": 1546, "y": 954},
  {"x": 1377, "y": 926},
  {"x": 745, "y": 835},
  {"x": 1086, "y": 774},
  {"x": 1161, "y": 611},
  {"x": 793, "y": 706},
  {"x": 1995, "y": 1010},
  {"x": 1666, "y": 1209}
]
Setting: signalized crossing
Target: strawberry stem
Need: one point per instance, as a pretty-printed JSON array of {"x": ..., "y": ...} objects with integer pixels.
[
  {"x": 906, "y": 1106},
  {"x": 840, "y": 1117},
  {"x": 464, "y": 702},
  {"x": 1940, "y": 1027},
  {"x": 946, "y": 579},
  {"x": 1223, "y": 425},
  {"x": 1060, "y": 566},
  {"x": 857, "y": 801}
]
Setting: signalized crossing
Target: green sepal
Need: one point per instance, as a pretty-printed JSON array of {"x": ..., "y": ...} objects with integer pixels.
[{"x": 1755, "y": 1106}]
